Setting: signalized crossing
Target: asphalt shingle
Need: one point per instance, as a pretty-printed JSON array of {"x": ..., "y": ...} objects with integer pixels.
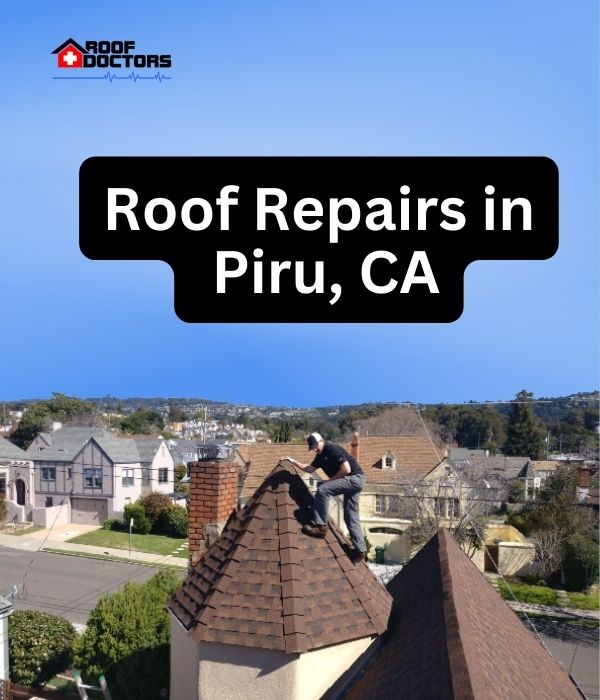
[{"x": 265, "y": 584}]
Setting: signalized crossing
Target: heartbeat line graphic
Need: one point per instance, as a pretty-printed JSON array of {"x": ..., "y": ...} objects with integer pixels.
[{"x": 133, "y": 76}]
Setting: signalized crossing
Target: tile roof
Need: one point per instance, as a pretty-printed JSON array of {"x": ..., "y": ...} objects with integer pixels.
[
  {"x": 545, "y": 465},
  {"x": 265, "y": 584},
  {"x": 10, "y": 451},
  {"x": 451, "y": 636},
  {"x": 415, "y": 457}
]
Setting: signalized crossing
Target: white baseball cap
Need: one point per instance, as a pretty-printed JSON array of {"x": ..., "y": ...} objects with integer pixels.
[{"x": 313, "y": 440}]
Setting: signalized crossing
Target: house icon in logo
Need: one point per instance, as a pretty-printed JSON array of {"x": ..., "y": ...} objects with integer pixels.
[{"x": 70, "y": 54}]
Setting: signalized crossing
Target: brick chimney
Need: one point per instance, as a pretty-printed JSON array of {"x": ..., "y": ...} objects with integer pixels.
[
  {"x": 213, "y": 496},
  {"x": 355, "y": 445}
]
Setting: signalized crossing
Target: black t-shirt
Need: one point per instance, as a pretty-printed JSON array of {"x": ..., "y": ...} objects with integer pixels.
[{"x": 332, "y": 458}]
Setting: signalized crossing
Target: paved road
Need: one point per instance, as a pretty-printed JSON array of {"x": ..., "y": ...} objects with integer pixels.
[
  {"x": 576, "y": 648},
  {"x": 64, "y": 585}
]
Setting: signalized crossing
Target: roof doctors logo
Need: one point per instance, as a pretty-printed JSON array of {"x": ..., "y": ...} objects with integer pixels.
[{"x": 111, "y": 56}]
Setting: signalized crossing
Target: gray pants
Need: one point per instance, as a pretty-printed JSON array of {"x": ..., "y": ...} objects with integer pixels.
[{"x": 350, "y": 487}]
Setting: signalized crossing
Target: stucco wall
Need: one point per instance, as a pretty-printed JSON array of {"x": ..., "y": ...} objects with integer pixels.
[
  {"x": 50, "y": 517},
  {"x": 318, "y": 670},
  {"x": 206, "y": 671},
  {"x": 184, "y": 663}
]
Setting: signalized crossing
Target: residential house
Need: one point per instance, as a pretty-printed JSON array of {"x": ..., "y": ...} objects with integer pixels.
[
  {"x": 270, "y": 612},
  {"x": 16, "y": 481},
  {"x": 89, "y": 474}
]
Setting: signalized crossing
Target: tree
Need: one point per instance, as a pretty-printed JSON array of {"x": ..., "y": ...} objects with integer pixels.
[
  {"x": 143, "y": 421},
  {"x": 177, "y": 414},
  {"x": 549, "y": 550},
  {"x": 556, "y": 524},
  {"x": 127, "y": 639},
  {"x": 65, "y": 409},
  {"x": 282, "y": 432},
  {"x": 524, "y": 435},
  {"x": 40, "y": 646}
]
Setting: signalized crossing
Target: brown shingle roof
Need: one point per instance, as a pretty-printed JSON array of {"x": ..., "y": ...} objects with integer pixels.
[
  {"x": 452, "y": 636},
  {"x": 265, "y": 584},
  {"x": 415, "y": 457}
]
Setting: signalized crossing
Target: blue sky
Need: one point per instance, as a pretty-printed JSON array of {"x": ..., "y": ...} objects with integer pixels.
[{"x": 298, "y": 78}]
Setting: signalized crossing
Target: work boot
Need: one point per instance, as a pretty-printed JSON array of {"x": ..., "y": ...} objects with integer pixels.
[
  {"x": 314, "y": 530},
  {"x": 356, "y": 555}
]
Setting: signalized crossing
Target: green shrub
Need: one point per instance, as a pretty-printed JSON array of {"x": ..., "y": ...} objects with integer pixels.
[
  {"x": 540, "y": 595},
  {"x": 590, "y": 601},
  {"x": 112, "y": 524},
  {"x": 180, "y": 472},
  {"x": 174, "y": 522},
  {"x": 155, "y": 504},
  {"x": 40, "y": 646},
  {"x": 580, "y": 563},
  {"x": 127, "y": 639},
  {"x": 141, "y": 523}
]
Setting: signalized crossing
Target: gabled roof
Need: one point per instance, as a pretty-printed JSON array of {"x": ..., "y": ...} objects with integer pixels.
[
  {"x": 500, "y": 465},
  {"x": 528, "y": 472},
  {"x": 147, "y": 446},
  {"x": 8, "y": 450},
  {"x": 451, "y": 636},
  {"x": 64, "y": 443},
  {"x": 71, "y": 42},
  {"x": 265, "y": 584}
]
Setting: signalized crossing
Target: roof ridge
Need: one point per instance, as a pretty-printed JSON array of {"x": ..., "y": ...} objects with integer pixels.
[{"x": 457, "y": 657}]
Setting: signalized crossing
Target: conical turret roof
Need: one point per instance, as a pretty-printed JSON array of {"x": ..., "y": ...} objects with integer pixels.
[{"x": 265, "y": 584}]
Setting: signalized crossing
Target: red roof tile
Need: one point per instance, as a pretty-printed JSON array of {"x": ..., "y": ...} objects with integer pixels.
[
  {"x": 265, "y": 584},
  {"x": 451, "y": 636},
  {"x": 415, "y": 458}
]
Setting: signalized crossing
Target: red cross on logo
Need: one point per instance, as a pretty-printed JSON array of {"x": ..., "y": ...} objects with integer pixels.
[{"x": 70, "y": 57}]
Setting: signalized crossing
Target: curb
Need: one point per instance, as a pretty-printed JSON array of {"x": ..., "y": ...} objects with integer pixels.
[{"x": 109, "y": 557}]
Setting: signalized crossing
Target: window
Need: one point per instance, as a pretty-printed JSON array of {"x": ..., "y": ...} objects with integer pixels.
[
  {"x": 92, "y": 478},
  {"x": 69, "y": 472},
  {"x": 440, "y": 507},
  {"x": 127, "y": 477},
  {"x": 163, "y": 476},
  {"x": 48, "y": 501},
  {"x": 2, "y": 486},
  {"x": 388, "y": 461},
  {"x": 387, "y": 504},
  {"x": 453, "y": 508},
  {"x": 48, "y": 473},
  {"x": 146, "y": 476}
]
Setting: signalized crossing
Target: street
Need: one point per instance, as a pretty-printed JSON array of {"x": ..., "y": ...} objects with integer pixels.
[{"x": 63, "y": 585}]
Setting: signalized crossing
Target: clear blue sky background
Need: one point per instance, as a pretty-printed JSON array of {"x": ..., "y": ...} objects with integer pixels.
[{"x": 418, "y": 77}]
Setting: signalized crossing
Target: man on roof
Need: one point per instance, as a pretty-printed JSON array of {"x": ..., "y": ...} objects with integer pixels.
[{"x": 346, "y": 478}]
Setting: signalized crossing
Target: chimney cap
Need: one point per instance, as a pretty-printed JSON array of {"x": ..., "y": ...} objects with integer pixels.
[{"x": 214, "y": 452}]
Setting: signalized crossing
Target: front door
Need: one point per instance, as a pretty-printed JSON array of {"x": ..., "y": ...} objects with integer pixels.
[{"x": 20, "y": 486}]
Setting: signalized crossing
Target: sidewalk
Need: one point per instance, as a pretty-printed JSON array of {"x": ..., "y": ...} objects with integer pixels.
[{"x": 54, "y": 541}]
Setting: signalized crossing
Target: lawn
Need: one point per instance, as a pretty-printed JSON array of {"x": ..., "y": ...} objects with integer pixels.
[
  {"x": 590, "y": 601},
  {"x": 539, "y": 595},
  {"x": 154, "y": 544}
]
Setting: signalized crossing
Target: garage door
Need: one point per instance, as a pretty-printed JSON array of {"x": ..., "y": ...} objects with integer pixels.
[{"x": 89, "y": 511}]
